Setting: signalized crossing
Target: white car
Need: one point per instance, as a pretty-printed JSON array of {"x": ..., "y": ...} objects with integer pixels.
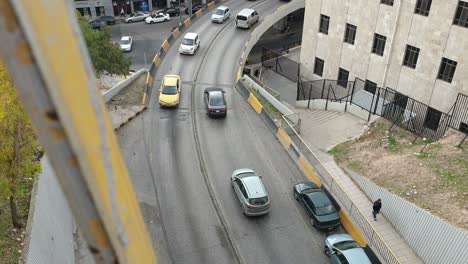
[
  {"x": 137, "y": 16},
  {"x": 126, "y": 43},
  {"x": 190, "y": 44},
  {"x": 221, "y": 14},
  {"x": 160, "y": 17}
]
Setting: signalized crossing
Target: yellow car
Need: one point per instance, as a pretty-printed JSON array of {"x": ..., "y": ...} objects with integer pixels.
[{"x": 169, "y": 93}]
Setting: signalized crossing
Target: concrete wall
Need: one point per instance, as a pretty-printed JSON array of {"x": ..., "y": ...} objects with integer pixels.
[
  {"x": 434, "y": 35},
  {"x": 121, "y": 85}
]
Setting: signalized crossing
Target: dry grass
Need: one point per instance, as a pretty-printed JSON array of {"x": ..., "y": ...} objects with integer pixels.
[{"x": 435, "y": 179}]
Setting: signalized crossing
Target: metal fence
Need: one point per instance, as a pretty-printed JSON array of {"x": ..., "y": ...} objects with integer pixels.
[
  {"x": 340, "y": 195},
  {"x": 459, "y": 112},
  {"x": 432, "y": 239},
  {"x": 280, "y": 64}
]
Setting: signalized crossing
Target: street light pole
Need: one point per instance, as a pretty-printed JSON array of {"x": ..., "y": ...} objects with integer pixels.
[{"x": 180, "y": 15}]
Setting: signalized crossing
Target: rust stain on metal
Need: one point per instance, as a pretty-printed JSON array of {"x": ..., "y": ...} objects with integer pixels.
[
  {"x": 23, "y": 52},
  {"x": 8, "y": 16}
]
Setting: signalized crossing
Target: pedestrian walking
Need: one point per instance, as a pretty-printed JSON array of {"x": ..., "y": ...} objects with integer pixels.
[
  {"x": 122, "y": 12},
  {"x": 376, "y": 208}
]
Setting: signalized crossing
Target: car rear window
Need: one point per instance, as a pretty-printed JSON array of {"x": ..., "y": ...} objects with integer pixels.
[
  {"x": 258, "y": 201},
  {"x": 325, "y": 209},
  {"x": 243, "y": 18},
  {"x": 216, "y": 101}
]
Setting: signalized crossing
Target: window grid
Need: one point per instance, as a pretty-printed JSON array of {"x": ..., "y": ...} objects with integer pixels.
[
  {"x": 318, "y": 66},
  {"x": 411, "y": 56},
  {"x": 447, "y": 70},
  {"x": 378, "y": 46},
  {"x": 343, "y": 77},
  {"x": 370, "y": 86},
  {"x": 423, "y": 7},
  {"x": 324, "y": 23},
  {"x": 387, "y": 2},
  {"x": 461, "y": 16},
  {"x": 350, "y": 34}
]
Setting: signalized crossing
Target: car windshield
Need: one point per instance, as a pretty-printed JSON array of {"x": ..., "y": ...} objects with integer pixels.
[
  {"x": 345, "y": 245},
  {"x": 325, "y": 209},
  {"x": 258, "y": 201},
  {"x": 241, "y": 18},
  {"x": 219, "y": 12},
  {"x": 217, "y": 101},
  {"x": 169, "y": 90},
  {"x": 124, "y": 41},
  {"x": 187, "y": 42}
]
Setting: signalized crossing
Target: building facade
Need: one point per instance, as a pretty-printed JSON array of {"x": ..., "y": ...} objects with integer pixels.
[
  {"x": 97, "y": 8},
  {"x": 416, "y": 47}
]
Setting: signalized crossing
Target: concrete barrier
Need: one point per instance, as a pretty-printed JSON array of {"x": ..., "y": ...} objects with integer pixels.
[{"x": 121, "y": 85}]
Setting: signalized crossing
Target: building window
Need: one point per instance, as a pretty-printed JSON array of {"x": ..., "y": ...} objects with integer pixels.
[
  {"x": 432, "y": 118},
  {"x": 318, "y": 66},
  {"x": 463, "y": 127},
  {"x": 461, "y": 16},
  {"x": 350, "y": 34},
  {"x": 411, "y": 56},
  {"x": 423, "y": 7},
  {"x": 371, "y": 87},
  {"x": 343, "y": 77},
  {"x": 387, "y": 2},
  {"x": 324, "y": 23},
  {"x": 447, "y": 70},
  {"x": 379, "y": 44}
]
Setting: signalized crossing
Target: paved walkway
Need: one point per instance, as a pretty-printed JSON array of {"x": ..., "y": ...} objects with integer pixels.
[{"x": 321, "y": 130}]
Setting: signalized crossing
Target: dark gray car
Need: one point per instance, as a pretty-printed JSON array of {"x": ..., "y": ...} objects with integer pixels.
[{"x": 215, "y": 102}]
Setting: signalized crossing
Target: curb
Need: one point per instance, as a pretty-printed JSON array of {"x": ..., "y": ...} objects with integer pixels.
[{"x": 130, "y": 118}]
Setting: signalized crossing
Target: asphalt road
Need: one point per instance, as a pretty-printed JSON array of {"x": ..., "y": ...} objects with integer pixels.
[{"x": 180, "y": 162}]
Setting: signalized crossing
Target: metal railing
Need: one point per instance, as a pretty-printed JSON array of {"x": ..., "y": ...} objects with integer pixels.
[{"x": 339, "y": 193}]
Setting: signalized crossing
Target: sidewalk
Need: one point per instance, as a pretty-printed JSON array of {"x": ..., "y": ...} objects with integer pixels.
[{"x": 321, "y": 130}]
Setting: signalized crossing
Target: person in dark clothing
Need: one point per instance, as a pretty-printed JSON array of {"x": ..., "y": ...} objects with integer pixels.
[{"x": 376, "y": 208}]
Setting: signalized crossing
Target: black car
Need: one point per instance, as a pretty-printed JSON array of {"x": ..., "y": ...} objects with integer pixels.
[
  {"x": 172, "y": 11},
  {"x": 318, "y": 205},
  {"x": 195, "y": 9},
  {"x": 96, "y": 24},
  {"x": 108, "y": 20},
  {"x": 215, "y": 102}
]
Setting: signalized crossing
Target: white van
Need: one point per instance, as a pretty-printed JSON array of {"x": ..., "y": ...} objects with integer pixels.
[
  {"x": 190, "y": 44},
  {"x": 246, "y": 18}
]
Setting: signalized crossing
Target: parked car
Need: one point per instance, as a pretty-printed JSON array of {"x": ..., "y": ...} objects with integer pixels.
[
  {"x": 221, "y": 14},
  {"x": 251, "y": 192},
  {"x": 126, "y": 43},
  {"x": 172, "y": 11},
  {"x": 190, "y": 44},
  {"x": 137, "y": 16},
  {"x": 96, "y": 24},
  {"x": 195, "y": 9},
  {"x": 246, "y": 18},
  {"x": 341, "y": 248},
  {"x": 108, "y": 20},
  {"x": 318, "y": 205},
  {"x": 215, "y": 102},
  {"x": 160, "y": 17},
  {"x": 169, "y": 93}
]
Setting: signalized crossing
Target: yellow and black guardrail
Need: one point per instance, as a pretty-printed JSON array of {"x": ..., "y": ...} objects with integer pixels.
[
  {"x": 305, "y": 166},
  {"x": 159, "y": 56}
]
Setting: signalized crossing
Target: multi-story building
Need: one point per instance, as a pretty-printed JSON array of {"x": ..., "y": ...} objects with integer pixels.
[
  {"x": 96, "y": 8},
  {"x": 416, "y": 47}
]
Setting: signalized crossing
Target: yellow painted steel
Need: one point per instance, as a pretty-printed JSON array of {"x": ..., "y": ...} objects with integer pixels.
[
  {"x": 187, "y": 22},
  {"x": 308, "y": 171},
  {"x": 211, "y": 5},
  {"x": 199, "y": 13},
  {"x": 157, "y": 60},
  {"x": 239, "y": 73},
  {"x": 149, "y": 79},
  {"x": 257, "y": 106},
  {"x": 283, "y": 138},
  {"x": 72, "y": 86},
  {"x": 352, "y": 229},
  {"x": 166, "y": 45},
  {"x": 176, "y": 33}
]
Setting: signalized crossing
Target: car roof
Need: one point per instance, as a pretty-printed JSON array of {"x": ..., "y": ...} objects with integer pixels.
[
  {"x": 190, "y": 35},
  {"x": 254, "y": 186},
  {"x": 356, "y": 255},
  {"x": 245, "y": 12},
  {"x": 319, "y": 198},
  {"x": 222, "y": 7},
  {"x": 125, "y": 38},
  {"x": 170, "y": 80},
  {"x": 216, "y": 94}
]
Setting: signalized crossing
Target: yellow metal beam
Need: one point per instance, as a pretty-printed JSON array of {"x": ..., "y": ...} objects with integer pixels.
[{"x": 53, "y": 52}]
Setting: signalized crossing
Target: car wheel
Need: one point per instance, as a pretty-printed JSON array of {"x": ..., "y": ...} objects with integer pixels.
[
  {"x": 296, "y": 196},
  {"x": 327, "y": 251},
  {"x": 130, "y": 21},
  {"x": 313, "y": 222}
]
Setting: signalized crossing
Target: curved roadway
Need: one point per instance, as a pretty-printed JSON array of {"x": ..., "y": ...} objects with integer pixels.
[{"x": 180, "y": 162}]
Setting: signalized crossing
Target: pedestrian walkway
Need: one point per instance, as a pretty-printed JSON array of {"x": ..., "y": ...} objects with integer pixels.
[{"x": 321, "y": 130}]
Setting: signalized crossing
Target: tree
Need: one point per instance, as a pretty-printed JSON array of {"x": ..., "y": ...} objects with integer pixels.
[
  {"x": 105, "y": 55},
  {"x": 18, "y": 145}
]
